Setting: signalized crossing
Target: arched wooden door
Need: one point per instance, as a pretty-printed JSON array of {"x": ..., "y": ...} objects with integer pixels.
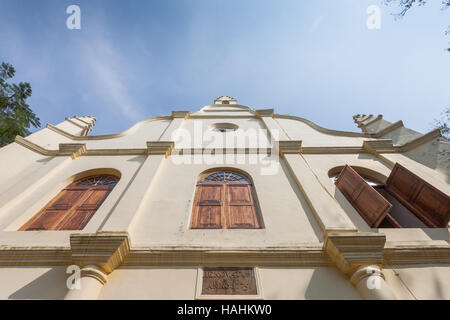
[
  {"x": 74, "y": 206},
  {"x": 224, "y": 200}
]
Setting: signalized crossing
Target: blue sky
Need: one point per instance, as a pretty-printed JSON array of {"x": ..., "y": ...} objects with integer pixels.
[{"x": 133, "y": 60}]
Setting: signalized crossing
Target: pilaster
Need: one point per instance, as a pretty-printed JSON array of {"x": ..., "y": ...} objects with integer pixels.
[
  {"x": 276, "y": 132},
  {"x": 360, "y": 256},
  {"x": 97, "y": 254},
  {"x": 177, "y": 120}
]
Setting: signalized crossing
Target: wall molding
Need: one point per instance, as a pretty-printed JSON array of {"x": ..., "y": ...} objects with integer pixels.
[
  {"x": 314, "y": 255},
  {"x": 322, "y": 129},
  {"x": 265, "y": 113},
  {"x": 107, "y": 136},
  {"x": 107, "y": 250},
  {"x": 351, "y": 250}
]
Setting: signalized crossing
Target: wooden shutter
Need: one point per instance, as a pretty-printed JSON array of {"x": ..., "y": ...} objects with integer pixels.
[
  {"x": 208, "y": 207},
  {"x": 240, "y": 206},
  {"x": 84, "y": 209},
  {"x": 429, "y": 204},
  {"x": 371, "y": 205},
  {"x": 49, "y": 217},
  {"x": 74, "y": 206}
]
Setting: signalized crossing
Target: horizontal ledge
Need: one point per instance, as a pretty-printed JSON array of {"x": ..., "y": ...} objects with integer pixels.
[
  {"x": 280, "y": 256},
  {"x": 165, "y": 147}
]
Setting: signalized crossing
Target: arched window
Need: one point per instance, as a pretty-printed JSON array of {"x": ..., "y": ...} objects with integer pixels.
[
  {"x": 74, "y": 206},
  {"x": 403, "y": 201},
  {"x": 224, "y": 200}
]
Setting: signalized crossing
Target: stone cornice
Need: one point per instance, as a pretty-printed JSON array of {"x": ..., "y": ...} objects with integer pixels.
[
  {"x": 379, "y": 146},
  {"x": 222, "y": 116},
  {"x": 392, "y": 256},
  {"x": 369, "y": 146},
  {"x": 160, "y": 147},
  {"x": 34, "y": 147},
  {"x": 333, "y": 150},
  {"x": 229, "y": 257},
  {"x": 265, "y": 113},
  {"x": 35, "y": 256},
  {"x": 75, "y": 149},
  {"x": 349, "y": 251},
  {"x": 104, "y": 249},
  {"x": 416, "y": 254},
  {"x": 180, "y": 114},
  {"x": 290, "y": 146},
  {"x": 213, "y": 151},
  {"x": 226, "y": 110}
]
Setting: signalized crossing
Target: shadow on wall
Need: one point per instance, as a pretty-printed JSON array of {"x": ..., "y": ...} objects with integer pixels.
[
  {"x": 49, "y": 286},
  {"x": 438, "y": 234},
  {"x": 306, "y": 283},
  {"x": 434, "y": 155},
  {"x": 309, "y": 214},
  {"x": 426, "y": 282},
  {"x": 354, "y": 216},
  {"x": 330, "y": 284}
]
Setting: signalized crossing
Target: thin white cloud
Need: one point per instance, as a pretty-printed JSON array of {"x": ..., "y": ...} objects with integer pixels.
[
  {"x": 316, "y": 23},
  {"x": 108, "y": 77}
]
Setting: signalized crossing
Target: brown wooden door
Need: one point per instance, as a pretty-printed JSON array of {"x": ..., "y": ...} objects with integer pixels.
[
  {"x": 371, "y": 205},
  {"x": 429, "y": 204},
  {"x": 224, "y": 200},
  {"x": 74, "y": 206}
]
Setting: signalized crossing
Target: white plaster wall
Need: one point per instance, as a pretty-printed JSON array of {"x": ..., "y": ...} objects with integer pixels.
[
  {"x": 200, "y": 134},
  {"x": 48, "y": 139},
  {"x": 152, "y": 283},
  {"x": 305, "y": 284},
  {"x": 297, "y": 130},
  {"x": 14, "y": 160},
  {"x": 293, "y": 283},
  {"x": 135, "y": 137},
  {"x": 165, "y": 215},
  {"x": 31, "y": 201},
  {"x": 33, "y": 283},
  {"x": 423, "y": 282}
]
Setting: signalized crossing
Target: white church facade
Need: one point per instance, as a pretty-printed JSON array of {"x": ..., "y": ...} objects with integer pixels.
[{"x": 223, "y": 203}]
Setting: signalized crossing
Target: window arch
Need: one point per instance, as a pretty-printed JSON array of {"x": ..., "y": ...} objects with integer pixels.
[
  {"x": 225, "y": 199},
  {"x": 403, "y": 200},
  {"x": 74, "y": 206}
]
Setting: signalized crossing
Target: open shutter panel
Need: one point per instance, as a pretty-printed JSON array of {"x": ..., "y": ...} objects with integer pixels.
[
  {"x": 429, "y": 204},
  {"x": 371, "y": 205},
  {"x": 208, "y": 207},
  {"x": 240, "y": 206}
]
